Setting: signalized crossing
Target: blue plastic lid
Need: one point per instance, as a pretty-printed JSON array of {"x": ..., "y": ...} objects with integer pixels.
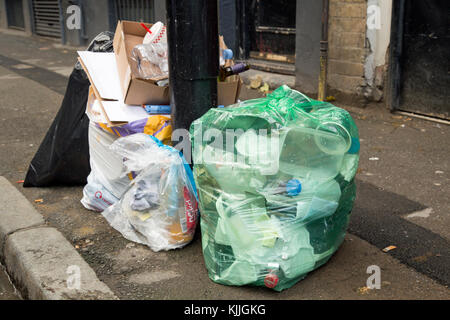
[
  {"x": 293, "y": 187},
  {"x": 220, "y": 106},
  {"x": 227, "y": 54},
  {"x": 354, "y": 148}
]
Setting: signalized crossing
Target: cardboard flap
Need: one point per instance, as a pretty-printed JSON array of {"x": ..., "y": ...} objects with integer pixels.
[
  {"x": 101, "y": 70},
  {"x": 228, "y": 91},
  {"x": 143, "y": 92}
]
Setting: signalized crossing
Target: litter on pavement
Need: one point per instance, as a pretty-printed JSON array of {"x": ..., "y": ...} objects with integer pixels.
[{"x": 272, "y": 207}]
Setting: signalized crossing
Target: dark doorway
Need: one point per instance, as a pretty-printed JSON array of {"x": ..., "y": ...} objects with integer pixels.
[
  {"x": 271, "y": 34},
  {"x": 14, "y": 14},
  {"x": 422, "y": 54}
]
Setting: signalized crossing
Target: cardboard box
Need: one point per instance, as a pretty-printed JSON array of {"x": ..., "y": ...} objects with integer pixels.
[
  {"x": 229, "y": 90},
  {"x": 139, "y": 91},
  {"x": 135, "y": 91}
]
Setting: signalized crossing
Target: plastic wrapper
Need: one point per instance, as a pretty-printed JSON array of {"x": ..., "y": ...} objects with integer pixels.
[
  {"x": 160, "y": 208},
  {"x": 63, "y": 156},
  {"x": 275, "y": 179},
  {"x": 150, "y": 61},
  {"x": 109, "y": 178}
]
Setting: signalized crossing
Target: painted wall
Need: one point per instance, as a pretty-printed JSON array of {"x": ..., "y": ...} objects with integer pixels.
[
  {"x": 26, "y": 15},
  {"x": 95, "y": 19},
  {"x": 307, "y": 45},
  {"x": 378, "y": 35}
]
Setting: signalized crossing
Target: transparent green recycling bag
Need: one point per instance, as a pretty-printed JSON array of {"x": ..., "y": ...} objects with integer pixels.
[{"x": 275, "y": 178}]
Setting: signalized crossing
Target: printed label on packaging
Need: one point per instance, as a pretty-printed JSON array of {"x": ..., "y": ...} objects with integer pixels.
[{"x": 191, "y": 208}]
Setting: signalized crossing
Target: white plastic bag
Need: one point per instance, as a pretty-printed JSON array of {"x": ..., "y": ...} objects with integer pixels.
[
  {"x": 95, "y": 196},
  {"x": 159, "y": 209},
  {"x": 108, "y": 175}
]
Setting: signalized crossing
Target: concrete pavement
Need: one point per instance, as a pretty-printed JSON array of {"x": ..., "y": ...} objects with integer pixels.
[
  {"x": 410, "y": 175},
  {"x": 39, "y": 260},
  {"x": 7, "y": 290}
]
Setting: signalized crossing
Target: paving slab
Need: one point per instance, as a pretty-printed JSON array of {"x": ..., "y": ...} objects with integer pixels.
[
  {"x": 41, "y": 262},
  {"x": 45, "y": 266},
  {"x": 16, "y": 212}
]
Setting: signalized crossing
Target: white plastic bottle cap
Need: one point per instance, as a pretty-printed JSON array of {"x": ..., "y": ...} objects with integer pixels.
[{"x": 158, "y": 34}]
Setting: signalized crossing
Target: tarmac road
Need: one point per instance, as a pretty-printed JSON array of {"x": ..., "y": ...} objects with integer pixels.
[{"x": 402, "y": 200}]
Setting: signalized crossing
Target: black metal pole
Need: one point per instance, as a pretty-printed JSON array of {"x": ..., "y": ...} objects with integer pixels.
[
  {"x": 192, "y": 36},
  {"x": 321, "y": 96}
]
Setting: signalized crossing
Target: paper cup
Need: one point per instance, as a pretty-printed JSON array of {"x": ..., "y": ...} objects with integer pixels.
[{"x": 158, "y": 35}]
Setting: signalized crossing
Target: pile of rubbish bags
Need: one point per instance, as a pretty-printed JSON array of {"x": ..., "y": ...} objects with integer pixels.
[{"x": 275, "y": 178}]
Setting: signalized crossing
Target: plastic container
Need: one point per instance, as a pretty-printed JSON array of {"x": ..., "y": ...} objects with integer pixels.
[{"x": 311, "y": 153}]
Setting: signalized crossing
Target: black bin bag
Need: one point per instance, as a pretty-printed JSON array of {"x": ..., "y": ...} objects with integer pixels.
[{"x": 63, "y": 156}]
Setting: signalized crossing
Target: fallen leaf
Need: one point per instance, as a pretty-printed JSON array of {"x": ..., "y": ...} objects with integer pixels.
[
  {"x": 256, "y": 83},
  {"x": 387, "y": 249},
  {"x": 364, "y": 290},
  {"x": 264, "y": 88},
  {"x": 330, "y": 98}
]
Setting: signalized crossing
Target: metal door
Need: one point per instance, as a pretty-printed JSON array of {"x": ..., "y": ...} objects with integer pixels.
[
  {"x": 420, "y": 52},
  {"x": 47, "y": 18},
  {"x": 135, "y": 10}
]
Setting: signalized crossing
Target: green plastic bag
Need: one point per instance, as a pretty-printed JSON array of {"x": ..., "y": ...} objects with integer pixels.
[{"x": 275, "y": 178}]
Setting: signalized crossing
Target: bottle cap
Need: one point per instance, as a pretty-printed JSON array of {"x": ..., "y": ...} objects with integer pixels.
[
  {"x": 293, "y": 187},
  {"x": 227, "y": 54},
  {"x": 271, "y": 280}
]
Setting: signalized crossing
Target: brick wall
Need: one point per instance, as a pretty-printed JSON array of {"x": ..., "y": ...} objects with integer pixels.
[{"x": 347, "y": 45}]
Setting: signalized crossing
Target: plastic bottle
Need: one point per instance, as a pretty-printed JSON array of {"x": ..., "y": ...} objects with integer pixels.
[
  {"x": 272, "y": 276},
  {"x": 225, "y": 57},
  {"x": 225, "y": 72},
  {"x": 157, "y": 109},
  {"x": 292, "y": 188},
  {"x": 311, "y": 153}
]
